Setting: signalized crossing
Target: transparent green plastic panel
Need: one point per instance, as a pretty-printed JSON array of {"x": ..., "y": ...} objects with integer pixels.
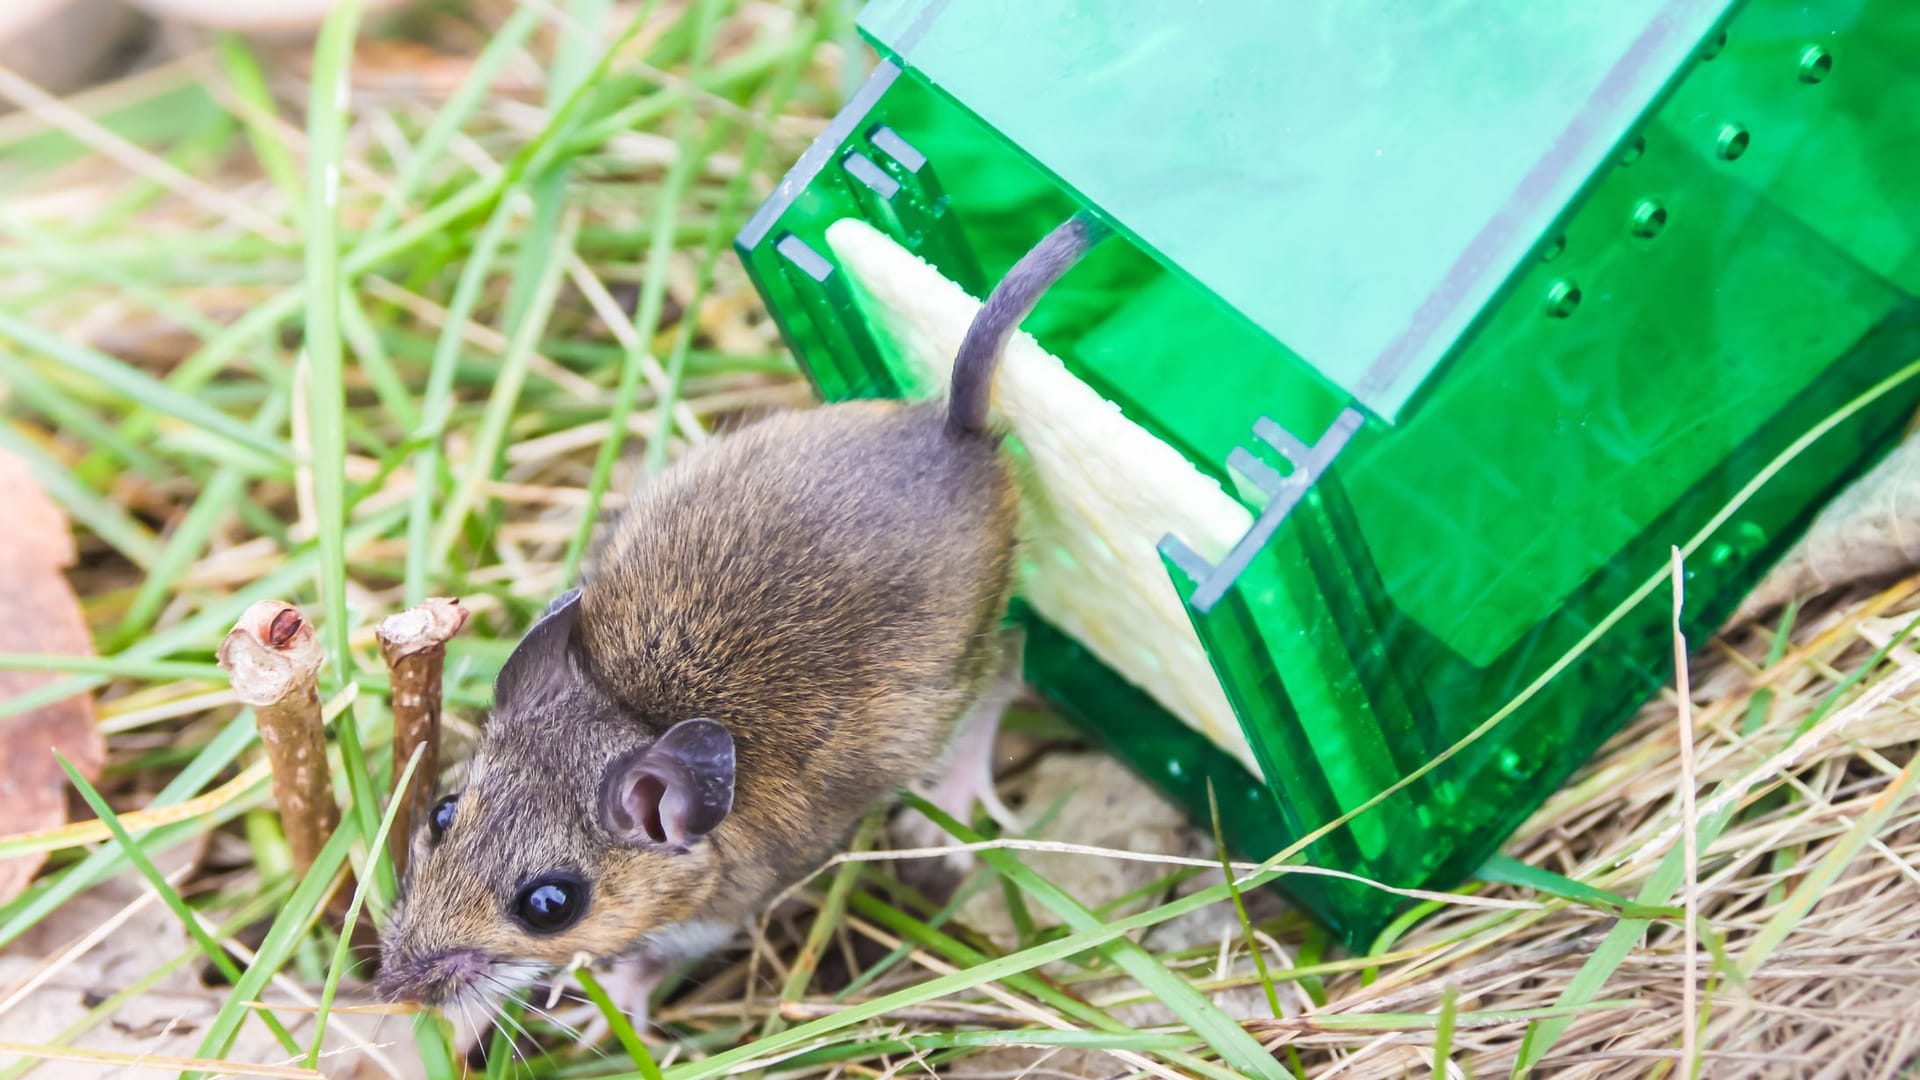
[
  {"x": 1705, "y": 302},
  {"x": 1403, "y": 156},
  {"x": 1704, "y": 263},
  {"x": 1558, "y": 436},
  {"x": 1688, "y": 321}
]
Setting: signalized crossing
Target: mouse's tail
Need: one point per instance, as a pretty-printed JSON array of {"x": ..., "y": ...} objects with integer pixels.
[{"x": 1011, "y": 301}]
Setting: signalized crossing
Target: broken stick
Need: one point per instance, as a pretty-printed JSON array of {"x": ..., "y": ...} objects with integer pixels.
[
  {"x": 414, "y": 643},
  {"x": 274, "y": 658}
]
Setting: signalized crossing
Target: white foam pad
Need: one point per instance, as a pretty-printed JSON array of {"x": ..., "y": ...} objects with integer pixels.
[{"x": 1098, "y": 491}]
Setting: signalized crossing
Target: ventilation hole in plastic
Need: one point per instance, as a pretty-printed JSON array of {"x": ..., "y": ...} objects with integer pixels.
[
  {"x": 1563, "y": 298},
  {"x": 1732, "y": 142},
  {"x": 1551, "y": 250},
  {"x": 1649, "y": 217},
  {"x": 1713, "y": 46},
  {"x": 1631, "y": 152},
  {"x": 1816, "y": 64}
]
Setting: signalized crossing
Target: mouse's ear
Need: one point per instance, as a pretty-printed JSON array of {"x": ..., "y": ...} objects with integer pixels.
[
  {"x": 542, "y": 664},
  {"x": 673, "y": 792}
]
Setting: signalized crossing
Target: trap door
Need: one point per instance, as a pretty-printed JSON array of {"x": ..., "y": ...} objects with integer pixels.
[{"x": 1356, "y": 179}]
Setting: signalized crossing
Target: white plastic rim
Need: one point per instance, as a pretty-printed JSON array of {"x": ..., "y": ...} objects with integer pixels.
[{"x": 254, "y": 16}]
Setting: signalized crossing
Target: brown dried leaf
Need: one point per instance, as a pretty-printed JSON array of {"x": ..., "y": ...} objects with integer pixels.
[{"x": 38, "y": 614}]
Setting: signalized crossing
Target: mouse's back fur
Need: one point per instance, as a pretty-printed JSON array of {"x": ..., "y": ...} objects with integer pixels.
[{"x": 827, "y": 584}]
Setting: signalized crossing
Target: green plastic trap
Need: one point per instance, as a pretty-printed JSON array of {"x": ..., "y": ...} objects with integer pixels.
[{"x": 1479, "y": 309}]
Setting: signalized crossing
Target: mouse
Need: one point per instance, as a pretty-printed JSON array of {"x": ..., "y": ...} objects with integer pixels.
[{"x": 780, "y": 632}]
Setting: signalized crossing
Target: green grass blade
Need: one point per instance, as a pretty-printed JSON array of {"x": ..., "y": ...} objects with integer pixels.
[
  {"x": 927, "y": 937},
  {"x": 481, "y": 73},
  {"x": 73, "y": 419},
  {"x": 190, "y": 538},
  {"x": 23, "y": 912},
  {"x": 491, "y": 437},
  {"x": 1505, "y": 870},
  {"x": 165, "y": 890},
  {"x": 548, "y": 187},
  {"x": 800, "y": 972},
  {"x": 437, "y": 406},
  {"x": 115, "y": 667},
  {"x": 325, "y": 353},
  {"x": 1482, "y": 1018},
  {"x": 982, "y": 878},
  {"x": 1761, "y": 704},
  {"x": 541, "y": 257},
  {"x": 1825, "y": 872},
  {"x": 388, "y": 386},
  {"x": 303, "y": 909},
  {"x": 1613, "y": 949},
  {"x": 326, "y": 132},
  {"x": 258, "y": 114},
  {"x": 653, "y": 290},
  {"x": 136, "y": 385},
  {"x": 1239, "y": 904},
  {"x": 343, "y": 947},
  {"x": 1853, "y": 678},
  {"x": 1224, "y": 1034},
  {"x": 646, "y": 319},
  {"x": 500, "y": 1049},
  {"x": 1036, "y": 1038},
  {"x": 204, "y": 629},
  {"x": 622, "y": 1028},
  {"x": 997, "y": 969},
  {"x": 102, "y": 516}
]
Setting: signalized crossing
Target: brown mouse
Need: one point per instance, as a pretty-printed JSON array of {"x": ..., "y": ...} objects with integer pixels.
[{"x": 784, "y": 629}]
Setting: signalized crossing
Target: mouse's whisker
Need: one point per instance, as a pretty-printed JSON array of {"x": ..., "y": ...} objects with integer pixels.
[
  {"x": 510, "y": 990},
  {"x": 567, "y": 1029},
  {"x": 531, "y": 1042},
  {"x": 508, "y": 1026}
]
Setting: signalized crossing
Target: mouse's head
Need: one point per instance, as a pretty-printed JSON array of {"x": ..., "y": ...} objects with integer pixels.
[{"x": 575, "y": 832}]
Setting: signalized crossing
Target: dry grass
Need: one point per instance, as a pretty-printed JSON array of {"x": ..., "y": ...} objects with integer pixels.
[{"x": 159, "y": 238}]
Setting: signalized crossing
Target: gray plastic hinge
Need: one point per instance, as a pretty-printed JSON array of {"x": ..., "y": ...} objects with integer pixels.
[
  {"x": 861, "y": 168},
  {"x": 1310, "y": 463}
]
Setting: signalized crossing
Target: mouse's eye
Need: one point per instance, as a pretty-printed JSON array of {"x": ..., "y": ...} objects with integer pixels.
[
  {"x": 550, "y": 904},
  {"x": 440, "y": 819}
]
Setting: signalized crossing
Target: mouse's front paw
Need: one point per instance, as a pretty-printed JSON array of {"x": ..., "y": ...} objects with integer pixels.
[{"x": 629, "y": 983}]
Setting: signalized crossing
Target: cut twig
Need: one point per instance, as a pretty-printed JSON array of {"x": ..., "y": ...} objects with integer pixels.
[
  {"x": 274, "y": 660},
  {"x": 414, "y": 643}
]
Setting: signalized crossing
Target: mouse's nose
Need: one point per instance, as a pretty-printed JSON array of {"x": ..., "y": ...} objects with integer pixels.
[{"x": 432, "y": 979}]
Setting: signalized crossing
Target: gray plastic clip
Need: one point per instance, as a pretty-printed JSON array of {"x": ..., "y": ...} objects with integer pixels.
[{"x": 1284, "y": 492}]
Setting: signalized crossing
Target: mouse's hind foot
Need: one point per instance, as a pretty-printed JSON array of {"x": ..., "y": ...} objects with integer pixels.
[{"x": 965, "y": 778}]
